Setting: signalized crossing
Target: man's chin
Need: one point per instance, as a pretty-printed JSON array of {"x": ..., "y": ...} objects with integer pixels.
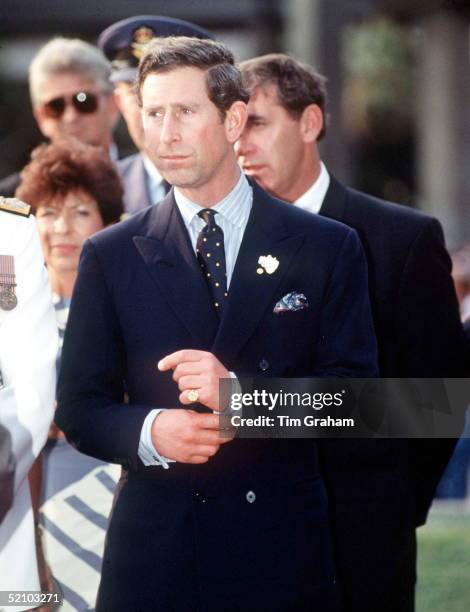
[
  {"x": 258, "y": 179},
  {"x": 178, "y": 179}
]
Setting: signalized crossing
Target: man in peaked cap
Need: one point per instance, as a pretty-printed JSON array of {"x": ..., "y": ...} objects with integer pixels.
[{"x": 123, "y": 44}]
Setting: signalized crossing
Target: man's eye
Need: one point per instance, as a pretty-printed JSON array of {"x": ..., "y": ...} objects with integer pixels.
[{"x": 187, "y": 111}]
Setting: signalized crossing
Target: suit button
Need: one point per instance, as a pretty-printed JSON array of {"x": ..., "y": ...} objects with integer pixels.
[
  {"x": 199, "y": 497},
  {"x": 263, "y": 365},
  {"x": 250, "y": 497}
]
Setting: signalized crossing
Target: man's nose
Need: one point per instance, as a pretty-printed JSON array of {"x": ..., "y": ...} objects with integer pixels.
[
  {"x": 169, "y": 130},
  {"x": 70, "y": 113}
]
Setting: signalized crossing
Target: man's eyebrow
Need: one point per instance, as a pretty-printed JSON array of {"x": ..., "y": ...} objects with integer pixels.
[
  {"x": 151, "y": 106},
  {"x": 173, "y": 105},
  {"x": 255, "y": 117}
]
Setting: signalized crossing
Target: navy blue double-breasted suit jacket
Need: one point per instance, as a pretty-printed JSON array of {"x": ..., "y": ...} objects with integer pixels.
[{"x": 188, "y": 538}]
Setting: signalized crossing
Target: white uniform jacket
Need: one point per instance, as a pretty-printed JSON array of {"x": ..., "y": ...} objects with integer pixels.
[{"x": 28, "y": 349}]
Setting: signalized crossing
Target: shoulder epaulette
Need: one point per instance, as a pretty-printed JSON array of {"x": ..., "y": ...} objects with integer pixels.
[{"x": 15, "y": 206}]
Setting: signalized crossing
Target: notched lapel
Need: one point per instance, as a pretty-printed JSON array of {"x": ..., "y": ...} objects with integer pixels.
[
  {"x": 167, "y": 252},
  {"x": 334, "y": 204}
]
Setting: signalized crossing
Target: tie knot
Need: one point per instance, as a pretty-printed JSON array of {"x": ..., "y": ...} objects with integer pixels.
[{"x": 208, "y": 216}]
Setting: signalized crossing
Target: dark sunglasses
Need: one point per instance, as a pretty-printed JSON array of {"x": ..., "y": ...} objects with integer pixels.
[{"x": 83, "y": 102}]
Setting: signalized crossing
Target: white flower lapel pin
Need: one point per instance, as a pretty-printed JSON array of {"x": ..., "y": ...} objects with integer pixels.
[{"x": 268, "y": 264}]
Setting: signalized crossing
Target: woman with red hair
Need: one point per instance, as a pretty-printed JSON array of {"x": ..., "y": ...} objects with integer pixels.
[{"x": 74, "y": 191}]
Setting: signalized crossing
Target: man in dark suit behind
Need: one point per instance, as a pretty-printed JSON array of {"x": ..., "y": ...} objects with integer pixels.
[
  {"x": 201, "y": 522},
  {"x": 380, "y": 490}
]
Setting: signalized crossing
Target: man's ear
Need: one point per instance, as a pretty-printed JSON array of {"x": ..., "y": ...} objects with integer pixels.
[
  {"x": 311, "y": 123},
  {"x": 235, "y": 119}
]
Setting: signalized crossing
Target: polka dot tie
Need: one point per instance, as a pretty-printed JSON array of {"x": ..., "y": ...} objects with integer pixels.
[{"x": 211, "y": 256}]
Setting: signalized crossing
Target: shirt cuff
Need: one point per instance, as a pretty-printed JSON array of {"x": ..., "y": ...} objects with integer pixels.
[
  {"x": 236, "y": 388},
  {"x": 147, "y": 453}
]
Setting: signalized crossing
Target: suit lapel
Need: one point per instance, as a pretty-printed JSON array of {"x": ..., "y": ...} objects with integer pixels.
[
  {"x": 167, "y": 251},
  {"x": 334, "y": 203},
  {"x": 251, "y": 294}
]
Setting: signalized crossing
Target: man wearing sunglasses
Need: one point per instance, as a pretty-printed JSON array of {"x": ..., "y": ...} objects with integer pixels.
[
  {"x": 123, "y": 43},
  {"x": 71, "y": 95}
]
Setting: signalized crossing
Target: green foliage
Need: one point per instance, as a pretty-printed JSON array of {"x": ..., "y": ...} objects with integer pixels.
[
  {"x": 379, "y": 63},
  {"x": 444, "y": 564}
]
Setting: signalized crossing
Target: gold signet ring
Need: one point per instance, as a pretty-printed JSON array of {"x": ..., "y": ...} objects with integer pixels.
[{"x": 193, "y": 395}]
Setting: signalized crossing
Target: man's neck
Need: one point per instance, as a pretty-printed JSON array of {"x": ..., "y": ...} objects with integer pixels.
[
  {"x": 306, "y": 175},
  {"x": 214, "y": 190}
]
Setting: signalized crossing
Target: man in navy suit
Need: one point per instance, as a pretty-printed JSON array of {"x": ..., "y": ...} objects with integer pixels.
[
  {"x": 380, "y": 490},
  {"x": 123, "y": 43},
  {"x": 169, "y": 302}
]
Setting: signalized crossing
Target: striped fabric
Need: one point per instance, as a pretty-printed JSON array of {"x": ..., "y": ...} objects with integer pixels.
[
  {"x": 76, "y": 501},
  {"x": 74, "y": 519}
]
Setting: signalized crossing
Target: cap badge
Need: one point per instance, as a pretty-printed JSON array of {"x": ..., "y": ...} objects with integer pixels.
[{"x": 141, "y": 37}]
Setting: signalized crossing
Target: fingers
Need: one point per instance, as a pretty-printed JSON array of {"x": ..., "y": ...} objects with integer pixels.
[
  {"x": 206, "y": 451},
  {"x": 195, "y": 393},
  {"x": 187, "y": 368},
  {"x": 170, "y": 362},
  {"x": 207, "y": 421},
  {"x": 208, "y": 437},
  {"x": 187, "y": 436},
  {"x": 195, "y": 381},
  {"x": 198, "y": 459}
]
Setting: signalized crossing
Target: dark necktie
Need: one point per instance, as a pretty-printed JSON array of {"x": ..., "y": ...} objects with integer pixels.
[{"x": 211, "y": 256}]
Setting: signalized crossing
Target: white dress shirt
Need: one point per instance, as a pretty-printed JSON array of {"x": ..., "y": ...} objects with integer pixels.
[
  {"x": 232, "y": 216},
  {"x": 312, "y": 199}
]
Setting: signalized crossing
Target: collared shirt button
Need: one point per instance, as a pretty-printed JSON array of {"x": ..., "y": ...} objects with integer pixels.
[
  {"x": 263, "y": 365},
  {"x": 250, "y": 497}
]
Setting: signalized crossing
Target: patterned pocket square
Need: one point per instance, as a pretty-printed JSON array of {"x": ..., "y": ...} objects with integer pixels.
[{"x": 290, "y": 302}]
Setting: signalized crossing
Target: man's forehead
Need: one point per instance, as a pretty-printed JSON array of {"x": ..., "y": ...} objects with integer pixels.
[
  {"x": 267, "y": 93},
  {"x": 182, "y": 82},
  {"x": 264, "y": 100},
  {"x": 67, "y": 82}
]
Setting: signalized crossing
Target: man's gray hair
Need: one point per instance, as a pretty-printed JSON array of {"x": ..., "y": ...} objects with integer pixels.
[{"x": 68, "y": 55}]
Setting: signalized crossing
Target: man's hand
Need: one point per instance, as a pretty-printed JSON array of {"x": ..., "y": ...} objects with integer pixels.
[
  {"x": 187, "y": 436},
  {"x": 196, "y": 371}
]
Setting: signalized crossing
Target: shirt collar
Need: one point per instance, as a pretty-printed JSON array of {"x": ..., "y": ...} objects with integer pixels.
[
  {"x": 312, "y": 199},
  {"x": 235, "y": 207}
]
